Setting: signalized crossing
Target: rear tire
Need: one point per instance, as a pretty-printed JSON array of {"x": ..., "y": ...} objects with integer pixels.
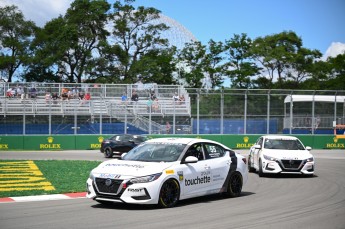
[
  {"x": 108, "y": 153},
  {"x": 234, "y": 185},
  {"x": 169, "y": 194}
]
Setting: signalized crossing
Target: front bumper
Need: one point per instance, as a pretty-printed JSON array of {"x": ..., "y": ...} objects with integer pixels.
[
  {"x": 288, "y": 166},
  {"x": 120, "y": 191}
]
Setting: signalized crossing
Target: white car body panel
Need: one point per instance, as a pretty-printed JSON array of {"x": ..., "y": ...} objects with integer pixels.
[{"x": 204, "y": 177}]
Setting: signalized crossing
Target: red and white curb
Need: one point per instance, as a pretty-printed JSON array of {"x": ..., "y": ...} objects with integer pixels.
[{"x": 65, "y": 196}]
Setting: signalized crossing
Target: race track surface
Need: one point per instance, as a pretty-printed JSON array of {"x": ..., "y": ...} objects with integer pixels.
[{"x": 269, "y": 202}]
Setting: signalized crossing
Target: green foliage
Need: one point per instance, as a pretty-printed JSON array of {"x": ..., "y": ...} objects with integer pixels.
[
  {"x": 15, "y": 36},
  {"x": 77, "y": 45}
]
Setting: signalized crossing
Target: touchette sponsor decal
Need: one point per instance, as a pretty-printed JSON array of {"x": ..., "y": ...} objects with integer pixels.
[{"x": 198, "y": 180}]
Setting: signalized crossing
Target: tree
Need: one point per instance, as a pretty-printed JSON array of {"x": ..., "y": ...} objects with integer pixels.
[
  {"x": 156, "y": 66},
  {"x": 16, "y": 34},
  {"x": 240, "y": 67},
  {"x": 213, "y": 67},
  {"x": 276, "y": 53},
  {"x": 69, "y": 43},
  {"x": 337, "y": 72},
  {"x": 135, "y": 34},
  {"x": 191, "y": 62}
]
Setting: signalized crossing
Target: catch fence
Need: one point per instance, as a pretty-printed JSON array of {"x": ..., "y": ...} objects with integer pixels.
[{"x": 26, "y": 109}]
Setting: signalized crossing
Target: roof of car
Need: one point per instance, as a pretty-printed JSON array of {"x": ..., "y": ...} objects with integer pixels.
[
  {"x": 181, "y": 140},
  {"x": 279, "y": 137}
]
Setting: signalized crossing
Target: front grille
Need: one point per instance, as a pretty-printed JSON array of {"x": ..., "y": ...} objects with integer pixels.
[
  {"x": 106, "y": 185},
  {"x": 291, "y": 164}
]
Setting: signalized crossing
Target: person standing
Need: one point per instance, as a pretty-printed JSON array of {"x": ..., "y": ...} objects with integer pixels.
[{"x": 168, "y": 127}]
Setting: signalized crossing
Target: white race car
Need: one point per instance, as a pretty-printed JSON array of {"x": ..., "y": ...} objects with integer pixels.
[
  {"x": 165, "y": 170},
  {"x": 280, "y": 154}
]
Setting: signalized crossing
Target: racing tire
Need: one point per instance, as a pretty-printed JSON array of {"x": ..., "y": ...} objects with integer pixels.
[
  {"x": 169, "y": 194},
  {"x": 108, "y": 153},
  {"x": 261, "y": 173},
  {"x": 234, "y": 185},
  {"x": 250, "y": 168}
]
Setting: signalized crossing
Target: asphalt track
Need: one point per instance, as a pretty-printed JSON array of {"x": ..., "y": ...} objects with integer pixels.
[{"x": 269, "y": 202}]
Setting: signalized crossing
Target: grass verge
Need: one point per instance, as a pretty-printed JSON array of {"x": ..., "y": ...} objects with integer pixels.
[{"x": 64, "y": 176}]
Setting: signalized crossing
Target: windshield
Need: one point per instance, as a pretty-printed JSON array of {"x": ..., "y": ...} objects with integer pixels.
[
  {"x": 158, "y": 152},
  {"x": 286, "y": 144}
]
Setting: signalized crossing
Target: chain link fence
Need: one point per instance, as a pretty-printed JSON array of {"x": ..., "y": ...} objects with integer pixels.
[{"x": 29, "y": 108}]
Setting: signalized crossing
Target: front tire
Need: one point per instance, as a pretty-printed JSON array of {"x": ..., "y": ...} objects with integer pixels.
[
  {"x": 108, "y": 153},
  {"x": 250, "y": 168},
  {"x": 235, "y": 185},
  {"x": 261, "y": 173},
  {"x": 169, "y": 194}
]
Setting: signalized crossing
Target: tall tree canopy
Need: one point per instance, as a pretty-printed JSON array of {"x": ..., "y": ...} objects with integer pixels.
[{"x": 16, "y": 34}]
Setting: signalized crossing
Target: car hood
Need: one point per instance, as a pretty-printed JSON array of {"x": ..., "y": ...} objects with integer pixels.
[
  {"x": 131, "y": 168},
  {"x": 288, "y": 154}
]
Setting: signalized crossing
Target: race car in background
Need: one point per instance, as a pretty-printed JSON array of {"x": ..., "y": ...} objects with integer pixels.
[
  {"x": 120, "y": 143},
  {"x": 165, "y": 170},
  {"x": 280, "y": 154}
]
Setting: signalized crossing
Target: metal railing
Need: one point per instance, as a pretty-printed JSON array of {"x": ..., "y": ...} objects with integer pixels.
[{"x": 223, "y": 111}]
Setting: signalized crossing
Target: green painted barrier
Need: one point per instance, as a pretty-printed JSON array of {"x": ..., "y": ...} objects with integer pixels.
[
  {"x": 93, "y": 142},
  {"x": 11, "y": 142}
]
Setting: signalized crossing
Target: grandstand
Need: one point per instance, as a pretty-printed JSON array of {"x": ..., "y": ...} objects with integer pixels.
[{"x": 71, "y": 116}]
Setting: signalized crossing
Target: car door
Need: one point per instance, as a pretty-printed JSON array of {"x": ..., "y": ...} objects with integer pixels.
[
  {"x": 219, "y": 165},
  {"x": 195, "y": 178}
]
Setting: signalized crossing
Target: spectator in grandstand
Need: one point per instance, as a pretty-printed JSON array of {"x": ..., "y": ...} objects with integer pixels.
[
  {"x": 25, "y": 92},
  {"x": 124, "y": 99},
  {"x": 182, "y": 99},
  {"x": 55, "y": 97},
  {"x": 155, "y": 105},
  {"x": 135, "y": 97},
  {"x": 176, "y": 97},
  {"x": 75, "y": 92},
  {"x": 10, "y": 93},
  {"x": 47, "y": 97},
  {"x": 149, "y": 105},
  {"x": 153, "y": 95},
  {"x": 81, "y": 95},
  {"x": 64, "y": 94},
  {"x": 86, "y": 99},
  {"x": 167, "y": 127},
  {"x": 33, "y": 93},
  {"x": 19, "y": 92}
]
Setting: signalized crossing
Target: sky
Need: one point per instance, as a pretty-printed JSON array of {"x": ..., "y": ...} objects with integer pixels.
[{"x": 319, "y": 23}]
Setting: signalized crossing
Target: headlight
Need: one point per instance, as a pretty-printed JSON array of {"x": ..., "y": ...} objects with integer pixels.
[
  {"x": 270, "y": 158},
  {"x": 310, "y": 159},
  {"x": 146, "y": 179}
]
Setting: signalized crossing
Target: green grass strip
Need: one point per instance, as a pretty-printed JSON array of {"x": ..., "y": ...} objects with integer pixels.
[{"x": 65, "y": 176}]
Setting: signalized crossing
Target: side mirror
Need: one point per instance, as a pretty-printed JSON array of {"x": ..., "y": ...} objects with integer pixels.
[
  {"x": 257, "y": 146},
  {"x": 190, "y": 159},
  {"x": 308, "y": 148}
]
